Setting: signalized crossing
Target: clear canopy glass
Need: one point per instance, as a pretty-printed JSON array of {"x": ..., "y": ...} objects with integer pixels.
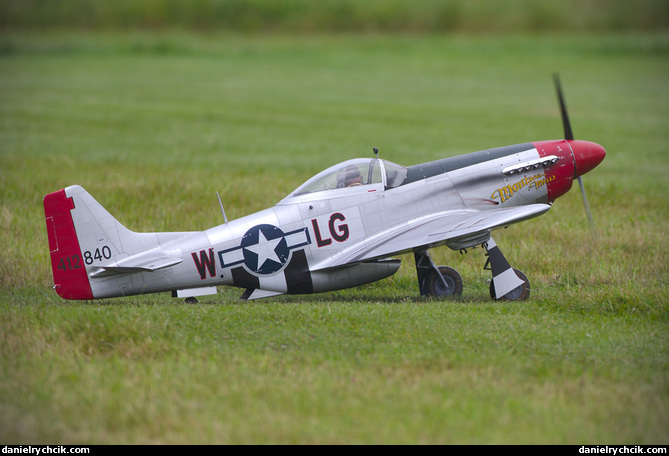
[{"x": 358, "y": 172}]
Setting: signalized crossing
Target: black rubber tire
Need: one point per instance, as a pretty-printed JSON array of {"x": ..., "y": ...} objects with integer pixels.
[{"x": 435, "y": 286}]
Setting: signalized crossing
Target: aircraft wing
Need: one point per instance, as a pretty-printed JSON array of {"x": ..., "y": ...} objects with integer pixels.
[{"x": 454, "y": 228}]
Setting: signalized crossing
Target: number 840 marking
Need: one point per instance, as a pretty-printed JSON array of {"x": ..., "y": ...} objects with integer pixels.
[{"x": 98, "y": 255}]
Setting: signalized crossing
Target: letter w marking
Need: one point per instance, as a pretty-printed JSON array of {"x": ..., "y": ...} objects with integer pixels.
[{"x": 205, "y": 263}]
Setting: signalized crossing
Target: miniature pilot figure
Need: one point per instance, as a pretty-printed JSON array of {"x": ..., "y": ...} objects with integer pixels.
[{"x": 350, "y": 177}]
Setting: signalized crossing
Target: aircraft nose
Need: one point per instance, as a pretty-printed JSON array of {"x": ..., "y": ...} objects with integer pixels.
[{"x": 587, "y": 155}]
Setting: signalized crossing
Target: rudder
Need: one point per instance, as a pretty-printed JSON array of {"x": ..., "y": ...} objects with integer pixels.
[{"x": 67, "y": 262}]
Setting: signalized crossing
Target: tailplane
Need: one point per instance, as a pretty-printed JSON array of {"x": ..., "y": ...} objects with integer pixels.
[{"x": 87, "y": 242}]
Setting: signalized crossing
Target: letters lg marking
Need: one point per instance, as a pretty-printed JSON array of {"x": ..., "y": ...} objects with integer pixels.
[{"x": 339, "y": 231}]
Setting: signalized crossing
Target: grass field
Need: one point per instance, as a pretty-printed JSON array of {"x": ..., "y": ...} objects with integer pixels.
[{"x": 153, "y": 124}]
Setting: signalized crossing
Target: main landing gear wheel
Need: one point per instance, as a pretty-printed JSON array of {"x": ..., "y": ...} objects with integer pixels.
[
  {"x": 517, "y": 294},
  {"x": 448, "y": 287}
]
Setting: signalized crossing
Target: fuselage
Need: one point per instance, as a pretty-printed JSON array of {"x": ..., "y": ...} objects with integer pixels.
[{"x": 327, "y": 236}]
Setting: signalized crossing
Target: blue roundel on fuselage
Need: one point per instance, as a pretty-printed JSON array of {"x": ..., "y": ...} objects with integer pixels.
[{"x": 265, "y": 249}]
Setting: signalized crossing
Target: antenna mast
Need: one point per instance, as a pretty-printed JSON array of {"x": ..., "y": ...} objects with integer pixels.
[{"x": 225, "y": 217}]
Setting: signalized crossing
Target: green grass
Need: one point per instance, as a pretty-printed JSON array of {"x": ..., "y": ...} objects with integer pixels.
[
  {"x": 330, "y": 371},
  {"x": 153, "y": 124}
]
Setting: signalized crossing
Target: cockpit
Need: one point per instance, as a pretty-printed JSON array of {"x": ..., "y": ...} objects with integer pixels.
[{"x": 353, "y": 176}]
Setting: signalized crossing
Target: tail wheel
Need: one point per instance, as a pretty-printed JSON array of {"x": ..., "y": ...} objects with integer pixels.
[
  {"x": 448, "y": 285},
  {"x": 517, "y": 294}
]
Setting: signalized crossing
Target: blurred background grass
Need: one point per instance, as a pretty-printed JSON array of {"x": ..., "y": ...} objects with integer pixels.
[
  {"x": 307, "y": 16},
  {"x": 175, "y": 99}
]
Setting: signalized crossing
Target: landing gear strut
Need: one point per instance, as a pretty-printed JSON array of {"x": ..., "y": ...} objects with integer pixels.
[
  {"x": 437, "y": 281},
  {"x": 445, "y": 282},
  {"x": 520, "y": 293},
  {"x": 507, "y": 283}
]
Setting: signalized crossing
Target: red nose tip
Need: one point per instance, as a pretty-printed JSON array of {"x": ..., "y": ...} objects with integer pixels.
[{"x": 587, "y": 155}]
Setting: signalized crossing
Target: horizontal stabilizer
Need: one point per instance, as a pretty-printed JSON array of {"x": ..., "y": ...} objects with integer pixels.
[{"x": 145, "y": 261}]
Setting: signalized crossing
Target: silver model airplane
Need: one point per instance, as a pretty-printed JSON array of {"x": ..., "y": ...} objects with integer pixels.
[{"x": 337, "y": 230}]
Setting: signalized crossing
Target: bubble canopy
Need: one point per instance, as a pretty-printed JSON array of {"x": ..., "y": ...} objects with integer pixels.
[{"x": 361, "y": 174}]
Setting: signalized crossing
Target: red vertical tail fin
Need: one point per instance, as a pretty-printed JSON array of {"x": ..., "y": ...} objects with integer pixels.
[{"x": 67, "y": 263}]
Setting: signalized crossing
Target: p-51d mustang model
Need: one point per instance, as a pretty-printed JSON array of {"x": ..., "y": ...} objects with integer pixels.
[{"x": 335, "y": 231}]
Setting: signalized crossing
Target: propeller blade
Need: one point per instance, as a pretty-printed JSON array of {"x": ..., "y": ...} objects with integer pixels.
[
  {"x": 569, "y": 135},
  {"x": 563, "y": 108},
  {"x": 587, "y": 206}
]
